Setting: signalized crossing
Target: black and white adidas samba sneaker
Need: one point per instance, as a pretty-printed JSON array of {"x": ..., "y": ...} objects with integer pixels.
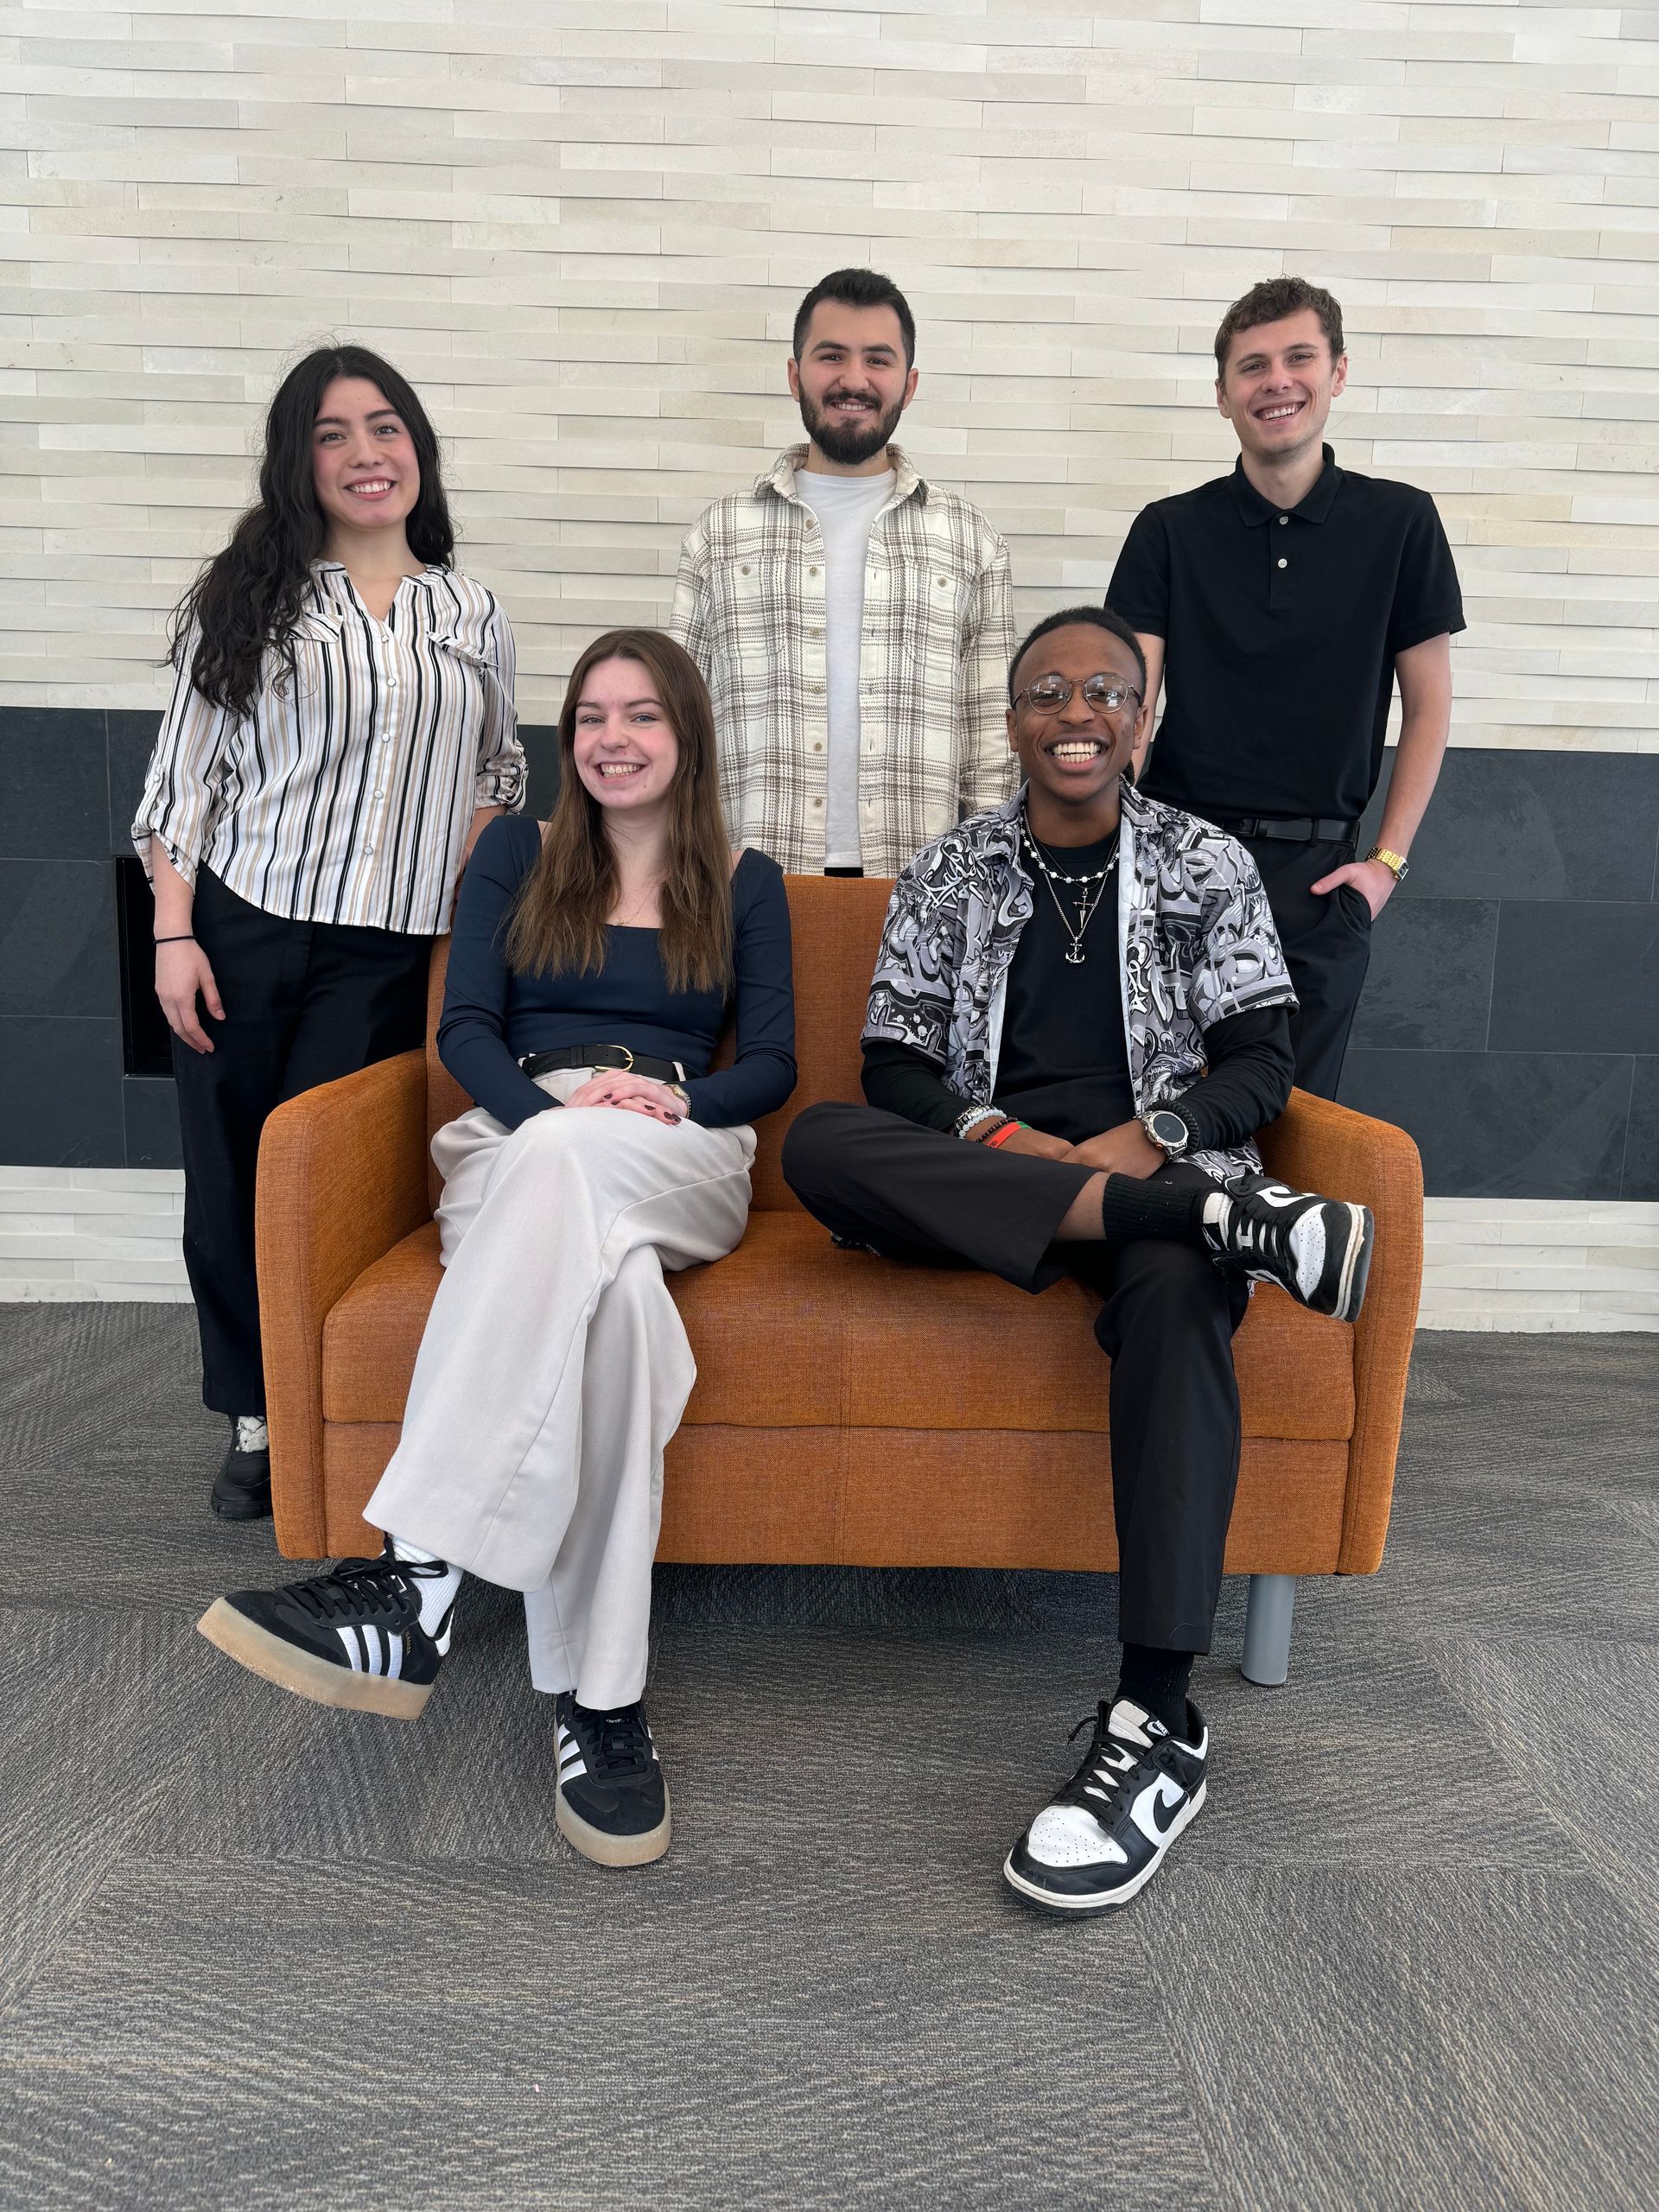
[
  {"x": 1101, "y": 1837},
  {"x": 1318, "y": 1249},
  {"x": 351, "y": 1637},
  {"x": 613, "y": 1799}
]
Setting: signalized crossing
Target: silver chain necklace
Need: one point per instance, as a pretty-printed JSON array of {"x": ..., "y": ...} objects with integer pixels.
[{"x": 1087, "y": 899}]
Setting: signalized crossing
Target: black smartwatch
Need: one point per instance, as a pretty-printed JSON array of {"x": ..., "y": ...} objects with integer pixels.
[{"x": 1165, "y": 1126}]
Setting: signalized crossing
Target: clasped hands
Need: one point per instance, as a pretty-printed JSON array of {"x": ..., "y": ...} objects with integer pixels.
[
  {"x": 1126, "y": 1150},
  {"x": 636, "y": 1093}
]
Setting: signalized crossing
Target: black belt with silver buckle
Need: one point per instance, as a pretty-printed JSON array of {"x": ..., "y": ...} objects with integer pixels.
[
  {"x": 603, "y": 1056},
  {"x": 1303, "y": 829}
]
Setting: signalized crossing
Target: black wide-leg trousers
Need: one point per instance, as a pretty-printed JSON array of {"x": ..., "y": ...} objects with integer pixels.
[
  {"x": 304, "y": 1003},
  {"x": 1166, "y": 1321},
  {"x": 1326, "y": 936}
]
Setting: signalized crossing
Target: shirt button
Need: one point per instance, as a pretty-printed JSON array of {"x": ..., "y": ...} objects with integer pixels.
[
  {"x": 1283, "y": 519},
  {"x": 1284, "y": 564},
  {"x": 818, "y": 744},
  {"x": 818, "y": 802},
  {"x": 812, "y": 572},
  {"x": 743, "y": 569},
  {"x": 817, "y": 630}
]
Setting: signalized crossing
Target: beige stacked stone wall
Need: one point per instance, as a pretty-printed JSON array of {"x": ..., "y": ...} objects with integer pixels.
[{"x": 581, "y": 229}]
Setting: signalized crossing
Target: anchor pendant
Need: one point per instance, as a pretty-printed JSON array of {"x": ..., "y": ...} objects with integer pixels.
[{"x": 1074, "y": 958}]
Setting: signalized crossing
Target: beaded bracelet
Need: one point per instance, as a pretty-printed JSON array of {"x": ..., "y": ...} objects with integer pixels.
[{"x": 966, "y": 1122}]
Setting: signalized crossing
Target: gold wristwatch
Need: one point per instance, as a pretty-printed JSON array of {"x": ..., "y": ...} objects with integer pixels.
[{"x": 1394, "y": 862}]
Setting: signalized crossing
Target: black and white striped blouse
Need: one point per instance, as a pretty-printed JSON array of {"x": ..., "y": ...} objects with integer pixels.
[{"x": 346, "y": 795}]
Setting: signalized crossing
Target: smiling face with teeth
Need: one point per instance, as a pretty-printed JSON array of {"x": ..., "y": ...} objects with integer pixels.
[
  {"x": 1074, "y": 756},
  {"x": 624, "y": 745},
  {"x": 853, "y": 382},
  {"x": 363, "y": 465},
  {"x": 1280, "y": 382}
]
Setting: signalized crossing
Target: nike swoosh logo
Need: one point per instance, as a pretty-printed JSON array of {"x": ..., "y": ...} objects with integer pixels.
[{"x": 1170, "y": 1805}]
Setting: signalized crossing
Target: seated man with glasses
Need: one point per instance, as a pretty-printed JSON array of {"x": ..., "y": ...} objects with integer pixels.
[{"x": 1079, "y": 1019}]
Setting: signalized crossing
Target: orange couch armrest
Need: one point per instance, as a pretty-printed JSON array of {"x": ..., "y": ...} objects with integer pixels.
[
  {"x": 1317, "y": 1146},
  {"x": 342, "y": 1179}
]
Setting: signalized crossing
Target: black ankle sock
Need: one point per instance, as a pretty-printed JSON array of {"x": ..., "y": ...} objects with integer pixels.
[
  {"x": 1130, "y": 1208},
  {"x": 1157, "y": 1681}
]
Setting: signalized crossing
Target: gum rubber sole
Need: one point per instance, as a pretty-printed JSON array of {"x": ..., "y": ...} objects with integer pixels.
[
  {"x": 302, "y": 1672},
  {"x": 613, "y": 1850}
]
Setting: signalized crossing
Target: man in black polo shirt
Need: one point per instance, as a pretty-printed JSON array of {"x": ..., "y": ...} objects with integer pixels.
[{"x": 1278, "y": 605}]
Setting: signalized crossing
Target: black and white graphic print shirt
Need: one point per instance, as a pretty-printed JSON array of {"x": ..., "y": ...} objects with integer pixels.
[
  {"x": 344, "y": 793},
  {"x": 1197, "y": 936}
]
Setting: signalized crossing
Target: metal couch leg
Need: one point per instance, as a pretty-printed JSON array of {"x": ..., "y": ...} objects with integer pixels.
[{"x": 1266, "y": 1629}]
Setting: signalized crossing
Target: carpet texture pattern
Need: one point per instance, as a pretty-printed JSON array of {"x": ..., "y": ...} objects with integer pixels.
[{"x": 257, "y": 1955}]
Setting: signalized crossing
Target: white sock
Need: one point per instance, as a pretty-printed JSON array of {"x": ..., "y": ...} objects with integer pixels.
[
  {"x": 250, "y": 1433},
  {"x": 437, "y": 1591}
]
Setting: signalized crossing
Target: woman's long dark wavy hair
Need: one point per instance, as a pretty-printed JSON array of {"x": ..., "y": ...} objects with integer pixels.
[
  {"x": 558, "y": 917},
  {"x": 244, "y": 603}
]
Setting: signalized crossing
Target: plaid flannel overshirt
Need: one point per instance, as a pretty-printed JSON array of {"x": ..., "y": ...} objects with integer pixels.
[{"x": 933, "y": 667}]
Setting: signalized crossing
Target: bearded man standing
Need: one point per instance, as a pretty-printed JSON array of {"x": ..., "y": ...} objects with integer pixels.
[{"x": 852, "y": 622}]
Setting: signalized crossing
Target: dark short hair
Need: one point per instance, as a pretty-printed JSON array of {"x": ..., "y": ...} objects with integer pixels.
[
  {"x": 1271, "y": 301},
  {"x": 857, "y": 288},
  {"x": 1102, "y": 618}
]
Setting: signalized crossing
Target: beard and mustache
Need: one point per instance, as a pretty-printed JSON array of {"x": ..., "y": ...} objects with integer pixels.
[{"x": 850, "y": 444}]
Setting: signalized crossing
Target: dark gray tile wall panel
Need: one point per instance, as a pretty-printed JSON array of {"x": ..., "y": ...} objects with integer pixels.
[
  {"x": 1430, "y": 983},
  {"x": 541, "y": 744},
  {"x": 1574, "y": 976},
  {"x": 60, "y": 1101},
  {"x": 133, "y": 739},
  {"x": 54, "y": 784},
  {"x": 57, "y": 948},
  {"x": 1527, "y": 925},
  {"x": 1534, "y": 825},
  {"x": 1519, "y": 1125},
  {"x": 1642, "y": 1143},
  {"x": 149, "y": 1107}
]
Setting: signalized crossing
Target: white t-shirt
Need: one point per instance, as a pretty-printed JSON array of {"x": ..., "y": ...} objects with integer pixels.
[{"x": 845, "y": 507}]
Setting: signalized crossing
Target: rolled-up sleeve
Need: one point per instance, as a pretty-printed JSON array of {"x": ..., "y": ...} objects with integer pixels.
[
  {"x": 500, "y": 780},
  {"x": 183, "y": 790}
]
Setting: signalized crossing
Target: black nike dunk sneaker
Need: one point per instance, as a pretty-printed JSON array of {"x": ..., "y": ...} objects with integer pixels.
[
  {"x": 351, "y": 1637},
  {"x": 1318, "y": 1249},
  {"x": 613, "y": 1799},
  {"x": 1101, "y": 1837}
]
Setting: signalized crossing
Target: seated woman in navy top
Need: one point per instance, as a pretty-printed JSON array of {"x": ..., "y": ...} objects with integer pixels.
[{"x": 593, "y": 967}]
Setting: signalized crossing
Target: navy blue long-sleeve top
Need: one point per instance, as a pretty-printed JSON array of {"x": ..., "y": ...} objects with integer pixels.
[{"x": 493, "y": 1017}]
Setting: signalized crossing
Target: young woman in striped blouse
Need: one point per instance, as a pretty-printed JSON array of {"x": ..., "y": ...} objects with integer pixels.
[{"x": 341, "y": 728}]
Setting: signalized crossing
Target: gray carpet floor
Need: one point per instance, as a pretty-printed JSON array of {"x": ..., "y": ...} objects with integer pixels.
[{"x": 257, "y": 1955}]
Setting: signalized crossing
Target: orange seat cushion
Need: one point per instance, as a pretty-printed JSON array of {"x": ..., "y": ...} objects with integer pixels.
[{"x": 789, "y": 1332}]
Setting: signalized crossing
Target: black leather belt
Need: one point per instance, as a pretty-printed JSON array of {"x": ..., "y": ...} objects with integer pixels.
[
  {"x": 1302, "y": 829},
  {"x": 603, "y": 1056}
]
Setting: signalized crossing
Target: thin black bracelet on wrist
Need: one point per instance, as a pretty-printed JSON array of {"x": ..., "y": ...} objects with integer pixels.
[{"x": 189, "y": 938}]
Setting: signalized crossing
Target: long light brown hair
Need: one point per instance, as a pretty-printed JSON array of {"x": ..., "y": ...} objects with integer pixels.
[{"x": 558, "y": 917}]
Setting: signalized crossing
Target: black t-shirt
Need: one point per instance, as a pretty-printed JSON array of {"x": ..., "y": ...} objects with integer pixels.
[
  {"x": 1064, "y": 1065},
  {"x": 1281, "y": 628}
]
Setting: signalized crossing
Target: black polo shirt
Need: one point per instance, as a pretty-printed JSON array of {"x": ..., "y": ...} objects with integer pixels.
[{"x": 1281, "y": 627}]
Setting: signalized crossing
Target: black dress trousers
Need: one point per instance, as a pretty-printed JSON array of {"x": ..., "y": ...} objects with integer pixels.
[
  {"x": 304, "y": 1003},
  {"x": 1327, "y": 941},
  {"x": 1167, "y": 1322}
]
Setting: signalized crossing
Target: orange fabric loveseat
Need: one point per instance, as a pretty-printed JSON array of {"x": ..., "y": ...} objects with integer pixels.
[{"x": 847, "y": 1410}]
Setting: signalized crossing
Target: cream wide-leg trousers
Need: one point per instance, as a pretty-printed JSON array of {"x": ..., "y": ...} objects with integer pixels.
[{"x": 555, "y": 1368}]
